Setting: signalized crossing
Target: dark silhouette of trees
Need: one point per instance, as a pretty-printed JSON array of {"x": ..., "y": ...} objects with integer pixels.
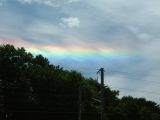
[{"x": 31, "y": 88}]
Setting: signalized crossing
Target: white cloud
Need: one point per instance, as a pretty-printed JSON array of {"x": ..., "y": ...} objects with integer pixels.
[
  {"x": 72, "y": 1},
  {"x": 1, "y": 2},
  {"x": 144, "y": 36},
  {"x": 51, "y": 3},
  {"x": 71, "y": 22},
  {"x": 26, "y": 1}
]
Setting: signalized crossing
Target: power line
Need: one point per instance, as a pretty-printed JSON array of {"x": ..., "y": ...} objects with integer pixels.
[
  {"x": 137, "y": 79},
  {"x": 129, "y": 73},
  {"x": 29, "y": 92},
  {"x": 110, "y": 70},
  {"x": 23, "y": 111},
  {"x": 69, "y": 95},
  {"x": 143, "y": 91}
]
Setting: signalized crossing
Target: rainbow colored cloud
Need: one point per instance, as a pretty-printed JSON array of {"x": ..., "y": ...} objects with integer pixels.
[{"x": 72, "y": 52}]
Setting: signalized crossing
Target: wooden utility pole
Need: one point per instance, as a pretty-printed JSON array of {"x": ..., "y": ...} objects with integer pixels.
[
  {"x": 80, "y": 103},
  {"x": 102, "y": 92}
]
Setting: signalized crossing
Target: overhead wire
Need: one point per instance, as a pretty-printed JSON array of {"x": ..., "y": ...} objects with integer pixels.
[
  {"x": 124, "y": 74},
  {"x": 143, "y": 91}
]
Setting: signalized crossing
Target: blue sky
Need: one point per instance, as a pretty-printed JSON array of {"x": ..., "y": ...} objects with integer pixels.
[{"x": 128, "y": 32}]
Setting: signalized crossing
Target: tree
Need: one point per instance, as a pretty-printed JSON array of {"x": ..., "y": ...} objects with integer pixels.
[{"x": 32, "y": 88}]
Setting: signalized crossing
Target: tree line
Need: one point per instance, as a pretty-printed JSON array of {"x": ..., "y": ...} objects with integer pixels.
[{"x": 31, "y": 88}]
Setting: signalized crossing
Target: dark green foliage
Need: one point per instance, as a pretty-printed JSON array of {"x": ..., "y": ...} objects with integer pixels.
[{"x": 33, "y": 89}]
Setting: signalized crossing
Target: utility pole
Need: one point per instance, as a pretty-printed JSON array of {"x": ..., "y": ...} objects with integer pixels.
[
  {"x": 80, "y": 103},
  {"x": 102, "y": 92}
]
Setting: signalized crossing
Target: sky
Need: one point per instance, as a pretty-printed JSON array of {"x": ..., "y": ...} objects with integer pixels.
[{"x": 121, "y": 36}]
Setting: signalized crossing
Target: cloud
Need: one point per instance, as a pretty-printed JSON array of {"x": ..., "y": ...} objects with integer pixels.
[
  {"x": 72, "y": 1},
  {"x": 71, "y": 22},
  {"x": 1, "y": 2},
  {"x": 51, "y": 3},
  {"x": 27, "y": 1}
]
